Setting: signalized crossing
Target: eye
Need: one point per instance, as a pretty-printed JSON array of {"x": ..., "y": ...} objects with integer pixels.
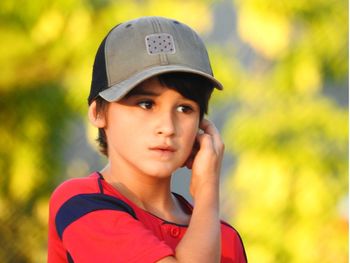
[
  {"x": 147, "y": 104},
  {"x": 184, "y": 109}
]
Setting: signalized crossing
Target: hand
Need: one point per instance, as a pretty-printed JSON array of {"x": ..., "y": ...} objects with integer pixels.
[{"x": 206, "y": 164}]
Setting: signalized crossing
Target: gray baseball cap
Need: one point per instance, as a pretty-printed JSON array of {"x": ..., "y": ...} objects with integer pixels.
[{"x": 142, "y": 48}]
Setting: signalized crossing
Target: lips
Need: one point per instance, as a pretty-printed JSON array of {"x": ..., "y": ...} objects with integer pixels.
[{"x": 163, "y": 150}]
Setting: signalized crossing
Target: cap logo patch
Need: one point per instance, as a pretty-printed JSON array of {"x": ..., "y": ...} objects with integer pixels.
[{"x": 160, "y": 44}]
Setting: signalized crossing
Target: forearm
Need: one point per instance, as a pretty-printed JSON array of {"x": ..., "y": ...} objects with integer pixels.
[{"x": 201, "y": 243}]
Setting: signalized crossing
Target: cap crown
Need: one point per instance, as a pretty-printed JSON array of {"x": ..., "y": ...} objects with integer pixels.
[{"x": 142, "y": 48}]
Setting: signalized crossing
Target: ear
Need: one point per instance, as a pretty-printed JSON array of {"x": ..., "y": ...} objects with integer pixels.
[{"x": 97, "y": 119}]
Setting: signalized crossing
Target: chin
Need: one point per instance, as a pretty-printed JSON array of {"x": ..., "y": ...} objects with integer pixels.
[{"x": 161, "y": 171}]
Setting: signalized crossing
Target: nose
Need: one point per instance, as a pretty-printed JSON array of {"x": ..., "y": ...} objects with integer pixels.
[{"x": 166, "y": 124}]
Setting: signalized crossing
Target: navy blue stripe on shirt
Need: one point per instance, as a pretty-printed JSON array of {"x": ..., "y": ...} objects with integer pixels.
[
  {"x": 82, "y": 204},
  {"x": 69, "y": 258}
]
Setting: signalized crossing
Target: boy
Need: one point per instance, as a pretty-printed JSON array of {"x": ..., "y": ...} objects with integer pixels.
[{"x": 150, "y": 88}]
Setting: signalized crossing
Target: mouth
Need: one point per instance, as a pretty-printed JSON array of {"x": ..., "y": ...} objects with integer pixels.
[{"x": 163, "y": 150}]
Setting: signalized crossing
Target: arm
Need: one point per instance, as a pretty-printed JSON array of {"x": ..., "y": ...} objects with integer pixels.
[{"x": 201, "y": 243}]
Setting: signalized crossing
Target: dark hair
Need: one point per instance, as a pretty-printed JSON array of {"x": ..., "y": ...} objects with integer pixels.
[
  {"x": 190, "y": 86},
  {"x": 101, "y": 107}
]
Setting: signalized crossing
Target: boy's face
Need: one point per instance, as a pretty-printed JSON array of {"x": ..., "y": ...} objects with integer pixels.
[{"x": 152, "y": 130}]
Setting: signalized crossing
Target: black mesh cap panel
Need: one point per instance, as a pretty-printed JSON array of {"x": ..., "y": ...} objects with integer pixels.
[
  {"x": 99, "y": 74},
  {"x": 99, "y": 80}
]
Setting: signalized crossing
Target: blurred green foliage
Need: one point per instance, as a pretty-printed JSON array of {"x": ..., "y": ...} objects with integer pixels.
[
  {"x": 290, "y": 181},
  {"x": 286, "y": 124}
]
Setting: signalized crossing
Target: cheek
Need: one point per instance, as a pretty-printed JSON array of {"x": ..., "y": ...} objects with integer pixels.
[{"x": 118, "y": 130}]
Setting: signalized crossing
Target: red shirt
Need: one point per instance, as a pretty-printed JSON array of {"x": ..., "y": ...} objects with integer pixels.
[{"x": 90, "y": 221}]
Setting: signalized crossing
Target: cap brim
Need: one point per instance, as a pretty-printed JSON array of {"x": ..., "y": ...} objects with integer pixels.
[{"x": 119, "y": 90}]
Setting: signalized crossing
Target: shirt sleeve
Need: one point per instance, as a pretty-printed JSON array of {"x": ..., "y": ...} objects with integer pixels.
[
  {"x": 233, "y": 250},
  {"x": 112, "y": 236}
]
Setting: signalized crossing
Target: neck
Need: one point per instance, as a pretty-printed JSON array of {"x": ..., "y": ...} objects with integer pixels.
[{"x": 149, "y": 193}]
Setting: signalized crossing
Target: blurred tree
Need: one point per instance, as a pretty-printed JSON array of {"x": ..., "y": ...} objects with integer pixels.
[{"x": 290, "y": 139}]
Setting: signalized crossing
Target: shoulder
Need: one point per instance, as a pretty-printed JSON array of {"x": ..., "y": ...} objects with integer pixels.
[
  {"x": 228, "y": 228},
  {"x": 229, "y": 232},
  {"x": 232, "y": 242},
  {"x": 76, "y": 198},
  {"x": 74, "y": 187}
]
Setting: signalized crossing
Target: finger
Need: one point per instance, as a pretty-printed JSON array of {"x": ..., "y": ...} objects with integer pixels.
[
  {"x": 209, "y": 128},
  {"x": 205, "y": 142}
]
